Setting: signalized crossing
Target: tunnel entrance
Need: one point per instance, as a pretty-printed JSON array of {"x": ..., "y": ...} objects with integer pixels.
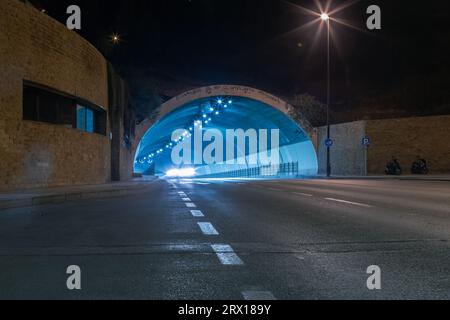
[{"x": 225, "y": 135}]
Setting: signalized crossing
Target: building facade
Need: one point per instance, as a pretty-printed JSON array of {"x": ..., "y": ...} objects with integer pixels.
[{"x": 55, "y": 122}]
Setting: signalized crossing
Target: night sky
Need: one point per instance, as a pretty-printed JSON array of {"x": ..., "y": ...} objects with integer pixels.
[{"x": 258, "y": 43}]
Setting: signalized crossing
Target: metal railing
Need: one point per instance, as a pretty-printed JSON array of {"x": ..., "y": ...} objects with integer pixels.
[{"x": 290, "y": 169}]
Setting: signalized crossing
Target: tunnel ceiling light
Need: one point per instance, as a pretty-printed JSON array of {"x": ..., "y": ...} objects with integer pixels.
[{"x": 196, "y": 123}]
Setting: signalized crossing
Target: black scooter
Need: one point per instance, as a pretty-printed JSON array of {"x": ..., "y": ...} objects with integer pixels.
[
  {"x": 419, "y": 167},
  {"x": 393, "y": 168}
]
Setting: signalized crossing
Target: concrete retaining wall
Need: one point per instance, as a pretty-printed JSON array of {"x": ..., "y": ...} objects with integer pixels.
[
  {"x": 347, "y": 153},
  {"x": 122, "y": 122}
]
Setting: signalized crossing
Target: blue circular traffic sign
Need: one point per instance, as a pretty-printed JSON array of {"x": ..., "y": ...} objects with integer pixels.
[
  {"x": 366, "y": 142},
  {"x": 329, "y": 143}
]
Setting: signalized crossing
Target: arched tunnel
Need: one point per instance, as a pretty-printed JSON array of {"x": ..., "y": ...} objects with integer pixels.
[{"x": 258, "y": 140}]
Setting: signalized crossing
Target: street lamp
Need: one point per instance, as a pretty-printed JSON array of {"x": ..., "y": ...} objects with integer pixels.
[
  {"x": 326, "y": 18},
  {"x": 115, "y": 38}
]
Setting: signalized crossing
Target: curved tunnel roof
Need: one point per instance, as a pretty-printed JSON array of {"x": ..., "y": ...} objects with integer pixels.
[{"x": 243, "y": 113}]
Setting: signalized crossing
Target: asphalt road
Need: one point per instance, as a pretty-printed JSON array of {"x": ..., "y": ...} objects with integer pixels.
[{"x": 214, "y": 239}]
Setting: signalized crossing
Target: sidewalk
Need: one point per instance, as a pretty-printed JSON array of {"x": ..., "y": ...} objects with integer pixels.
[
  {"x": 42, "y": 196},
  {"x": 386, "y": 177}
]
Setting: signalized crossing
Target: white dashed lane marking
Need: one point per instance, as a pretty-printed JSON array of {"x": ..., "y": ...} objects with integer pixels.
[
  {"x": 197, "y": 213},
  {"x": 190, "y": 205},
  {"x": 208, "y": 229},
  {"x": 349, "y": 202},
  {"x": 226, "y": 255},
  {"x": 302, "y": 194},
  {"x": 173, "y": 185},
  {"x": 186, "y": 199},
  {"x": 258, "y": 296}
]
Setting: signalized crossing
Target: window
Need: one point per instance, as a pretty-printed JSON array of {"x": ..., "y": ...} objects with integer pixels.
[
  {"x": 85, "y": 119},
  {"x": 46, "y": 105}
]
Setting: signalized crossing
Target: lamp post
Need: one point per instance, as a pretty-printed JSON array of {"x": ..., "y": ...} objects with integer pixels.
[{"x": 326, "y": 18}]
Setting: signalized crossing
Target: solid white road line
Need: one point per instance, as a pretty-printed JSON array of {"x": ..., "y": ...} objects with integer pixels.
[
  {"x": 349, "y": 202},
  {"x": 208, "y": 229},
  {"x": 226, "y": 255},
  {"x": 190, "y": 205},
  {"x": 302, "y": 194},
  {"x": 197, "y": 214},
  {"x": 258, "y": 296},
  {"x": 186, "y": 199}
]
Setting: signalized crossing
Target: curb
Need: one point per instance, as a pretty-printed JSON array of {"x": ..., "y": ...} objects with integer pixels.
[
  {"x": 398, "y": 178},
  {"x": 45, "y": 199}
]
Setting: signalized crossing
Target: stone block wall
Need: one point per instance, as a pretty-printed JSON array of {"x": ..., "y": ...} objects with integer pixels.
[
  {"x": 405, "y": 139},
  {"x": 36, "y": 48}
]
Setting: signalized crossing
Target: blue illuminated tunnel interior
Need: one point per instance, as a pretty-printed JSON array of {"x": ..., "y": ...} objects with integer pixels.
[{"x": 297, "y": 154}]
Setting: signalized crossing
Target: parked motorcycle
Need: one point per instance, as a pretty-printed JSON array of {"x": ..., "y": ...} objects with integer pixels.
[
  {"x": 393, "y": 168},
  {"x": 419, "y": 167}
]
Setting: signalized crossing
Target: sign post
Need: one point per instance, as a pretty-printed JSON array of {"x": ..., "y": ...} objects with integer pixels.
[{"x": 366, "y": 143}]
